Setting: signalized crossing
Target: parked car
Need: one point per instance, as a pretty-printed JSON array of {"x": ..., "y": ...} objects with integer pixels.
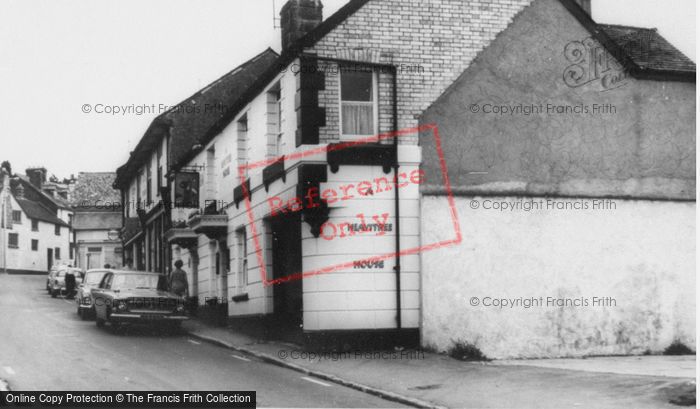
[
  {"x": 124, "y": 297},
  {"x": 63, "y": 281},
  {"x": 83, "y": 297},
  {"x": 49, "y": 277}
]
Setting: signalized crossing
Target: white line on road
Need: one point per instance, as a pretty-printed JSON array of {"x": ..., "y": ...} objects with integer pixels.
[
  {"x": 8, "y": 370},
  {"x": 306, "y": 378},
  {"x": 194, "y": 342},
  {"x": 241, "y": 358}
]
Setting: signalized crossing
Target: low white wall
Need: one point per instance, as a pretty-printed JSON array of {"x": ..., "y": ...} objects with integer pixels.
[{"x": 639, "y": 253}]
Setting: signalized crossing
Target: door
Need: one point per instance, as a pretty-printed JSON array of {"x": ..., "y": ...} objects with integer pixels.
[
  {"x": 49, "y": 258},
  {"x": 286, "y": 261}
]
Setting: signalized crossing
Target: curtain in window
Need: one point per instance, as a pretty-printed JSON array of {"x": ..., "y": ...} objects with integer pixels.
[{"x": 358, "y": 118}]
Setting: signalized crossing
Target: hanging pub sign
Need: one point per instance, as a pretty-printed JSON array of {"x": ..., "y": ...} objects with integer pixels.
[{"x": 187, "y": 189}]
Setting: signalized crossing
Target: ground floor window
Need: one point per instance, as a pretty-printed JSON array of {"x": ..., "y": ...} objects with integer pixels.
[
  {"x": 242, "y": 257},
  {"x": 35, "y": 245},
  {"x": 57, "y": 253},
  {"x": 13, "y": 240}
]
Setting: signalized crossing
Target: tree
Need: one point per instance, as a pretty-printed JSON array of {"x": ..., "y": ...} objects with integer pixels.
[{"x": 6, "y": 164}]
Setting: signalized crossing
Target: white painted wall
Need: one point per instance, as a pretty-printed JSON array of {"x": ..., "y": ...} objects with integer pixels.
[
  {"x": 24, "y": 258},
  {"x": 642, "y": 253}
]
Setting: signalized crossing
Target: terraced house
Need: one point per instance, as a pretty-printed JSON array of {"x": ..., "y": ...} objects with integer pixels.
[{"x": 293, "y": 193}]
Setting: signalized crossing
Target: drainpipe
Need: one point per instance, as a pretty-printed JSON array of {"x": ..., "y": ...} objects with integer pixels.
[{"x": 397, "y": 268}]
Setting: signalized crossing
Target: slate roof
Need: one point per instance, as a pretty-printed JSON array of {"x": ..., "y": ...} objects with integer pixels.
[
  {"x": 642, "y": 51},
  {"x": 662, "y": 62},
  {"x": 188, "y": 122},
  {"x": 94, "y": 188},
  {"x": 648, "y": 49},
  {"x": 35, "y": 210}
]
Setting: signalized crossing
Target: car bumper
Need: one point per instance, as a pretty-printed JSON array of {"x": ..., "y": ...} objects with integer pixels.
[{"x": 131, "y": 317}]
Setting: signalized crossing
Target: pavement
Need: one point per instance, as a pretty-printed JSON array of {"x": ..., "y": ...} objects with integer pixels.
[
  {"x": 45, "y": 346},
  {"x": 423, "y": 379}
]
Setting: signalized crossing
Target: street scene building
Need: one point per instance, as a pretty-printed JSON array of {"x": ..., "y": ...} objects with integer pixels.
[
  {"x": 97, "y": 221},
  {"x": 215, "y": 180},
  {"x": 36, "y": 223},
  {"x": 580, "y": 162}
]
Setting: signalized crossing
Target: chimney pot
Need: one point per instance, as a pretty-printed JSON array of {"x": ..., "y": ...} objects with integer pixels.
[{"x": 297, "y": 18}]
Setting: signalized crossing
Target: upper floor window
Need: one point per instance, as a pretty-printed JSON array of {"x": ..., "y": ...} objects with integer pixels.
[
  {"x": 149, "y": 185},
  {"x": 274, "y": 121},
  {"x": 57, "y": 230},
  {"x": 57, "y": 253},
  {"x": 159, "y": 180},
  {"x": 35, "y": 245},
  {"x": 17, "y": 216},
  {"x": 358, "y": 100},
  {"x": 138, "y": 191},
  {"x": 242, "y": 129},
  {"x": 35, "y": 225}
]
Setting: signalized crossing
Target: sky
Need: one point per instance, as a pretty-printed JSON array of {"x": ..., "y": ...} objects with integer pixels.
[{"x": 59, "y": 56}]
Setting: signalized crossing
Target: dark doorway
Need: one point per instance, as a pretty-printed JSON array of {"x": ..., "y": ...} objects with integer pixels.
[
  {"x": 286, "y": 261},
  {"x": 49, "y": 258}
]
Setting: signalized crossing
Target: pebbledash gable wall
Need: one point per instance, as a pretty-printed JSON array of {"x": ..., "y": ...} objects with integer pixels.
[
  {"x": 430, "y": 42},
  {"x": 561, "y": 239}
]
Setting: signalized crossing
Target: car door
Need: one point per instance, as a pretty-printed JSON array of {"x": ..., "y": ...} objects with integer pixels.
[{"x": 100, "y": 297}]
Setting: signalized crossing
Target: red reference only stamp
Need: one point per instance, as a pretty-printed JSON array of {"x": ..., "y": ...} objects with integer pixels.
[{"x": 334, "y": 195}]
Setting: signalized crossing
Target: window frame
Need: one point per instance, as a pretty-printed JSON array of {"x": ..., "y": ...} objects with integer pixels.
[
  {"x": 17, "y": 220},
  {"x": 242, "y": 260},
  {"x": 375, "y": 106},
  {"x": 35, "y": 245},
  {"x": 57, "y": 229},
  {"x": 35, "y": 225},
  {"x": 9, "y": 240}
]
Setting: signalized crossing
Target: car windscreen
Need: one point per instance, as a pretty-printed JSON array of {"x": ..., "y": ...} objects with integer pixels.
[
  {"x": 93, "y": 278},
  {"x": 133, "y": 281}
]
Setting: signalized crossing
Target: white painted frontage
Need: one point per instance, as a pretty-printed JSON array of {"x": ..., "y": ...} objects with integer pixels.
[
  {"x": 641, "y": 253},
  {"x": 23, "y": 257}
]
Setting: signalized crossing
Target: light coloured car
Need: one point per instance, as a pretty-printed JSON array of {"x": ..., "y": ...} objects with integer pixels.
[
  {"x": 83, "y": 298},
  {"x": 57, "y": 284}
]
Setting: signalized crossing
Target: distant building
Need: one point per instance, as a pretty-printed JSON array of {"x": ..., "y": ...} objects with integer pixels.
[
  {"x": 34, "y": 227},
  {"x": 97, "y": 221}
]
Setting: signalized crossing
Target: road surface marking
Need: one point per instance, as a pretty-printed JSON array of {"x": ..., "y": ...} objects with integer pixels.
[
  {"x": 241, "y": 358},
  {"x": 8, "y": 370},
  {"x": 306, "y": 378},
  {"x": 194, "y": 342}
]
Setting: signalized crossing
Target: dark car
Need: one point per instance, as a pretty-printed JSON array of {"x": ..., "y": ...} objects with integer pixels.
[
  {"x": 83, "y": 298},
  {"x": 124, "y": 297}
]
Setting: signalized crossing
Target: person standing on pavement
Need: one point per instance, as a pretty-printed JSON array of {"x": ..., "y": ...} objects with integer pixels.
[{"x": 178, "y": 280}]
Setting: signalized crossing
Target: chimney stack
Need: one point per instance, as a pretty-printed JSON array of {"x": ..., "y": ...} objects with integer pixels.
[
  {"x": 297, "y": 18},
  {"x": 585, "y": 5},
  {"x": 19, "y": 191},
  {"x": 37, "y": 176}
]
